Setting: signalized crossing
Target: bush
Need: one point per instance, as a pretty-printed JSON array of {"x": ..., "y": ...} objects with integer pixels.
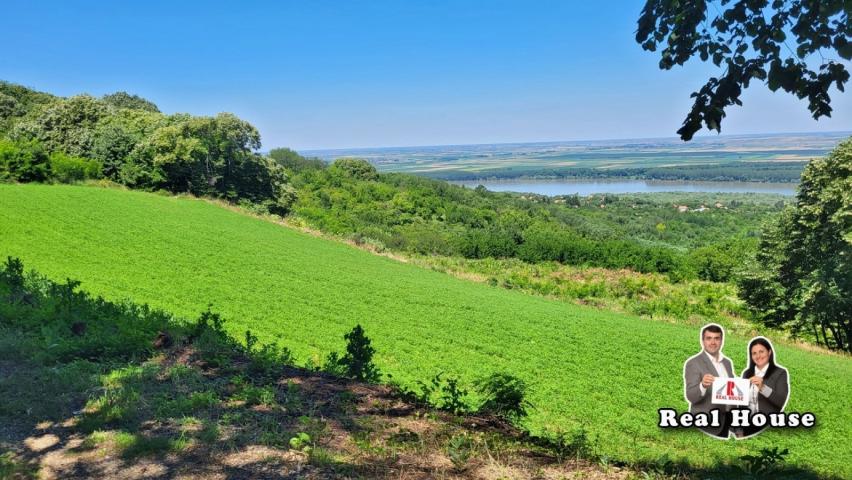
[
  {"x": 451, "y": 397},
  {"x": 23, "y": 162},
  {"x": 68, "y": 169},
  {"x": 504, "y": 394},
  {"x": 357, "y": 362}
]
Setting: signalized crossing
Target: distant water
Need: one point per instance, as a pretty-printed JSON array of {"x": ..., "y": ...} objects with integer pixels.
[{"x": 589, "y": 187}]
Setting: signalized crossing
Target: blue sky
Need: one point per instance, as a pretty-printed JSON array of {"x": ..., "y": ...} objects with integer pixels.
[{"x": 324, "y": 74}]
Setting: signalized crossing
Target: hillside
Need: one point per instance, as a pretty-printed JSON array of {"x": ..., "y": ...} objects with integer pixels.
[
  {"x": 125, "y": 392},
  {"x": 582, "y": 364}
]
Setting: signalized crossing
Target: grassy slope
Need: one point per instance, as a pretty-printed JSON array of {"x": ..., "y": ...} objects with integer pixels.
[{"x": 610, "y": 371}]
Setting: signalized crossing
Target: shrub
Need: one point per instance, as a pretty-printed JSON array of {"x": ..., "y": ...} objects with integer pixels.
[
  {"x": 68, "y": 169},
  {"x": 23, "y": 162},
  {"x": 504, "y": 394},
  {"x": 451, "y": 396},
  {"x": 357, "y": 362}
]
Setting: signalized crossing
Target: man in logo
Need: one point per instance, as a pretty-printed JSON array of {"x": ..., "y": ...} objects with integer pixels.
[{"x": 700, "y": 370}]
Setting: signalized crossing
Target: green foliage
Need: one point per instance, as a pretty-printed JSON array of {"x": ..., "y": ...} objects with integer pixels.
[
  {"x": 722, "y": 261},
  {"x": 23, "y": 162},
  {"x": 750, "y": 40},
  {"x": 725, "y": 170},
  {"x": 444, "y": 393},
  {"x": 129, "y": 141},
  {"x": 800, "y": 277},
  {"x": 11, "y": 467},
  {"x": 504, "y": 395},
  {"x": 577, "y": 444},
  {"x": 354, "y": 168},
  {"x": 459, "y": 450},
  {"x": 266, "y": 360},
  {"x": 301, "y": 442},
  {"x": 357, "y": 362},
  {"x": 65, "y": 125},
  {"x": 16, "y": 101},
  {"x": 405, "y": 213},
  {"x": 294, "y": 162},
  {"x": 126, "y": 100},
  {"x": 67, "y": 169},
  {"x": 764, "y": 463}
]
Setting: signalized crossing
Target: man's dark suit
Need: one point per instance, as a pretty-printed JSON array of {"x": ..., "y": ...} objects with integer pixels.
[{"x": 693, "y": 371}]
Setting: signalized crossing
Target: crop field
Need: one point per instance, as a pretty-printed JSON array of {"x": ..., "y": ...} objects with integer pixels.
[{"x": 608, "y": 372}]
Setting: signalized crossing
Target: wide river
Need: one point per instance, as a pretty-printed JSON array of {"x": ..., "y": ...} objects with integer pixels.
[{"x": 589, "y": 187}]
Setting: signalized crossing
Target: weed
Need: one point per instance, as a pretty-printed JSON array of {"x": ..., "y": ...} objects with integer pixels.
[
  {"x": 577, "y": 444},
  {"x": 453, "y": 397},
  {"x": 404, "y": 437},
  {"x": 209, "y": 432},
  {"x": 459, "y": 450},
  {"x": 136, "y": 445},
  {"x": 11, "y": 467},
  {"x": 301, "y": 442},
  {"x": 765, "y": 462}
]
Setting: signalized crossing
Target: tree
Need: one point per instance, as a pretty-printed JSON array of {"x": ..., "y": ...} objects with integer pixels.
[
  {"x": 749, "y": 38},
  {"x": 802, "y": 274},
  {"x": 126, "y": 100},
  {"x": 65, "y": 125},
  {"x": 291, "y": 160},
  {"x": 357, "y": 168},
  {"x": 23, "y": 162},
  {"x": 357, "y": 362}
]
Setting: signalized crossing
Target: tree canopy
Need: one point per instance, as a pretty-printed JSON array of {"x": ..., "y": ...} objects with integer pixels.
[
  {"x": 802, "y": 276},
  {"x": 126, "y": 100},
  {"x": 788, "y": 44},
  {"x": 125, "y": 139}
]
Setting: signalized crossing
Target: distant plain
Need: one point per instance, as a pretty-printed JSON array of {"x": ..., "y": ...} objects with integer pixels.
[{"x": 462, "y": 162}]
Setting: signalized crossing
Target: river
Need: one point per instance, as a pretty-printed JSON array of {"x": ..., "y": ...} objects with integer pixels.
[{"x": 589, "y": 187}]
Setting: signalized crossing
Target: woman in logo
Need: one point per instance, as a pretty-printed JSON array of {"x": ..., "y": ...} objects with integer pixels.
[{"x": 770, "y": 384}]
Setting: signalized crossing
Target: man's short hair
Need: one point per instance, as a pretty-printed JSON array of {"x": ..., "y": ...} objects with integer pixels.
[{"x": 712, "y": 328}]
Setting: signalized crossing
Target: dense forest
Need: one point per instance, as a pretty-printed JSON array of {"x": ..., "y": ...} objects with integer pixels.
[
  {"x": 125, "y": 139},
  {"x": 413, "y": 214}
]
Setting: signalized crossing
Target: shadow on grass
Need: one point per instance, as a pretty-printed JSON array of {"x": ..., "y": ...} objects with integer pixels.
[{"x": 101, "y": 389}]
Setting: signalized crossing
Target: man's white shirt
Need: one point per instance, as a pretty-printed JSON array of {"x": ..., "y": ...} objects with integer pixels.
[{"x": 720, "y": 370}]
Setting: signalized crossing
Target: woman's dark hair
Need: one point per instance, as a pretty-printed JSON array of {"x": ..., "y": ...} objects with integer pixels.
[{"x": 771, "y": 365}]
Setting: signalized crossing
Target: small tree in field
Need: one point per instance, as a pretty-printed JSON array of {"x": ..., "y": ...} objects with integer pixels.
[{"x": 357, "y": 362}]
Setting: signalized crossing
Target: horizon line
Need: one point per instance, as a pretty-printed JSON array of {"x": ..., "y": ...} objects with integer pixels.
[{"x": 533, "y": 142}]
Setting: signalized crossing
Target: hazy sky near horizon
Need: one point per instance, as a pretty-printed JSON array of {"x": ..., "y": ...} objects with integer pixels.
[{"x": 344, "y": 74}]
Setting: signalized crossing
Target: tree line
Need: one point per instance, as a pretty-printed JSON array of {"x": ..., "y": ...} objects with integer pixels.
[{"x": 126, "y": 139}]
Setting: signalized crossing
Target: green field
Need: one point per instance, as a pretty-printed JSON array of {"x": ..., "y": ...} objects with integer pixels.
[{"x": 609, "y": 371}]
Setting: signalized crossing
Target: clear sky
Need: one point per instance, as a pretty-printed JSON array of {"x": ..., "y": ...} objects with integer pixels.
[{"x": 334, "y": 74}]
